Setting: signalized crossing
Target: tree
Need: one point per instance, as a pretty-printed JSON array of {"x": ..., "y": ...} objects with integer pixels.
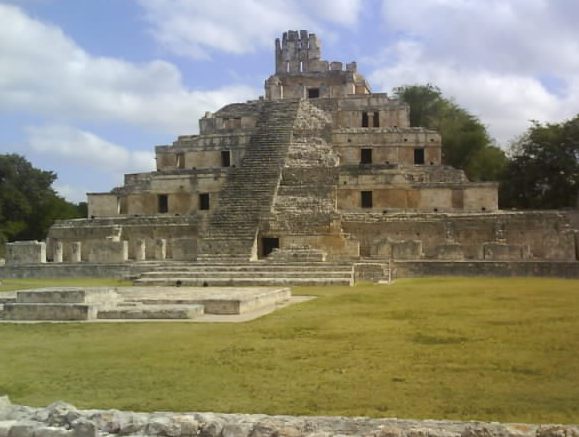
[
  {"x": 466, "y": 143},
  {"x": 543, "y": 172},
  {"x": 28, "y": 203}
]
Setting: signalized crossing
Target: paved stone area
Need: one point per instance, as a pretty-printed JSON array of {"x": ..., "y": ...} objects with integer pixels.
[{"x": 220, "y": 304}]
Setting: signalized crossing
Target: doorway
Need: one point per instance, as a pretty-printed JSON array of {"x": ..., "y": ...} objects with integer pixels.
[{"x": 268, "y": 244}]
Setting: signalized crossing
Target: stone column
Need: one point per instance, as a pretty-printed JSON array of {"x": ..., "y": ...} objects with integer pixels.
[
  {"x": 58, "y": 250},
  {"x": 140, "y": 254},
  {"x": 160, "y": 248},
  {"x": 76, "y": 247}
]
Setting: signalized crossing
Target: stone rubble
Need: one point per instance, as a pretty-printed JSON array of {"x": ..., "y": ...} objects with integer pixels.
[{"x": 64, "y": 420}]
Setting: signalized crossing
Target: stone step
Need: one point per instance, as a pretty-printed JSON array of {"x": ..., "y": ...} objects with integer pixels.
[
  {"x": 48, "y": 311},
  {"x": 152, "y": 312},
  {"x": 254, "y": 267},
  {"x": 210, "y": 281},
  {"x": 246, "y": 274}
]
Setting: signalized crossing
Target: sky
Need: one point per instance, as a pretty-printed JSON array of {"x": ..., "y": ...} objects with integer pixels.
[{"x": 89, "y": 87}]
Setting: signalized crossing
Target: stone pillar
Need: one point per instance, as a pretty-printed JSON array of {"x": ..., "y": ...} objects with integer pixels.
[
  {"x": 160, "y": 248},
  {"x": 58, "y": 250},
  {"x": 75, "y": 252},
  {"x": 140, "y": 250}
]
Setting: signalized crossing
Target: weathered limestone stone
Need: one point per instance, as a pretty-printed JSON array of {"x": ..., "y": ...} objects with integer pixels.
[
  {"x": 164, "y": 426},
  {"x": 75, "y": 252},
  {"x": 58, "y": 252},
  {"x": 84, "y": 428},
  {"x": 26, "y": 252},
  {"x": 140, "y": 250},
  {"x": 503, "y": 251},
  {"x": 410, "y": 249},
  {"x": 449, "y": 251},
  {"x": 184, "y": 249},
  {"x": 160, "y": 248},
  {"x": 109, "y": 251}
]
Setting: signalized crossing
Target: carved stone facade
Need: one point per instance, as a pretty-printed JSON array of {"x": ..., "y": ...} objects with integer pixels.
[{"x": 319, "y": 163}]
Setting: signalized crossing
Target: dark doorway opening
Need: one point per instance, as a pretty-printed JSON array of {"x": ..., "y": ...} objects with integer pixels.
[
  {"x": 163, "y": 203},
  {"x": 366, "y": 199},
  {"x": 204, "y": 201},
  {"x": 364, "y": 119},
  {"x": 225, "y": 158},
  {"x": 313, "y": 93},
  {"x": 366, "y": 156},
  {"x": 419, "y": 156},
  {"x": 268, "y": 244}
]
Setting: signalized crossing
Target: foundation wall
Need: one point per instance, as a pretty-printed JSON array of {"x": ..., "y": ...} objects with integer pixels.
[{"x": 529, "y": 235}]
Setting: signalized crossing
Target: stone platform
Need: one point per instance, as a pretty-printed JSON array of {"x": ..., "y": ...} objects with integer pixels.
[{"x": 99, "y": 304}]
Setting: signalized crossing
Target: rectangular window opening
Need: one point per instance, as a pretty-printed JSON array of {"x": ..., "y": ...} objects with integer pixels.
[
  {"x": 181, "y": 160},
  {"x": 366, "y": 199},
  {"x": 376, "y": 119},
  {"x": 225, "y": 158},
  {"x": 204, "y": 201},
  {"x": 419, "y": 156},
  {"x": 163, "y": 203},
  {"x": 366, "y": 156},
  {"x": 313, "y": 93},
  {"x": 364, "y": 119}
]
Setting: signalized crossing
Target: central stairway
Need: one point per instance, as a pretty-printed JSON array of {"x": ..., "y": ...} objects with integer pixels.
[
  {"x": 202, "y": 274},
  {"x": 249, "y": 190}
]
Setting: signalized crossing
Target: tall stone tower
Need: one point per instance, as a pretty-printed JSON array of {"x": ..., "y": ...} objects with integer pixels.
[{"x": 301, "y": 73}]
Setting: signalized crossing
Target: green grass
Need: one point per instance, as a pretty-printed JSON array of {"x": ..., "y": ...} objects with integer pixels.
[{"x": 453, "y": 348}]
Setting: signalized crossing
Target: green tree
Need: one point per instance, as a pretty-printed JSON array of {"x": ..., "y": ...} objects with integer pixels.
[
  {"x": 543, "y": 172},
  {"x": 28, "y": 203},
  {"x": 466, "y": 143}
]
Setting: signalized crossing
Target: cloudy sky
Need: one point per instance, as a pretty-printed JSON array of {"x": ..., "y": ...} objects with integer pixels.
[{"x": 87, "y": 88}]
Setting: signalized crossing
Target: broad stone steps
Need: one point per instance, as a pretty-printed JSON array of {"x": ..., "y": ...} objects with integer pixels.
[
  {"x": 243, "y": 273},
  {"x": 249, "y": 189},
  {"x": 240, "y": 282},
  {"x": 247, "y": 274},
  {"x": 274, "y": 268}
]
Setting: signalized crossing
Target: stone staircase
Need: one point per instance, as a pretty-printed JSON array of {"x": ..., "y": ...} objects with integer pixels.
[
  {"x": 249, "y": 190},
  {"x": 249, "y": 274}
]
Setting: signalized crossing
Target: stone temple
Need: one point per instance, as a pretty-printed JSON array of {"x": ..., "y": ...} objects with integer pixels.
[{"x": 319, "y": 169}]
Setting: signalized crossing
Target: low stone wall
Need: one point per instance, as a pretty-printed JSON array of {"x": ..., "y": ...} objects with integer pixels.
[
  {"x": 25, "y": 252},
  {"x": 69, "y": 270},
  {"x": 417, "y": 268},
  {"x": 64, "y": 420}
]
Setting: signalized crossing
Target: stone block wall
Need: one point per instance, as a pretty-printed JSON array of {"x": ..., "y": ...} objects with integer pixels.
[
  {"x": 25, "y": 252},
  {"x": 108, "y": 251},
  {"x": 530, "y": 235}
]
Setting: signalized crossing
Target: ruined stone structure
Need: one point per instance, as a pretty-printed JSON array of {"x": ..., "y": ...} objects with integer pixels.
[
  {"x": 320, "y": 169},
  {"x": 60, "y": 419}
]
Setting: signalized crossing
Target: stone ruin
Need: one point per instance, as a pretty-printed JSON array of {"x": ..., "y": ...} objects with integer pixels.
[
  {"x": 97, "y": 304},
  {"x": 320, "y": 171},
  {"x": 64, "y": 420}
]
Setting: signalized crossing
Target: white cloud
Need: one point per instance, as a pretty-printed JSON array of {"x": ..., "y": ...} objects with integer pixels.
[
  {"x": 42, "y": 71},
  {"x": 72, "y": 193},
  {"x": 489, "y": 56},
  {"x": 194, "y": 28},
  {"x": 77, "y": 146}
]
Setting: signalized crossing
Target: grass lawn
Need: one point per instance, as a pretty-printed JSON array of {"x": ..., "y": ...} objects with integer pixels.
[{"x": 444, "y": 348}]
